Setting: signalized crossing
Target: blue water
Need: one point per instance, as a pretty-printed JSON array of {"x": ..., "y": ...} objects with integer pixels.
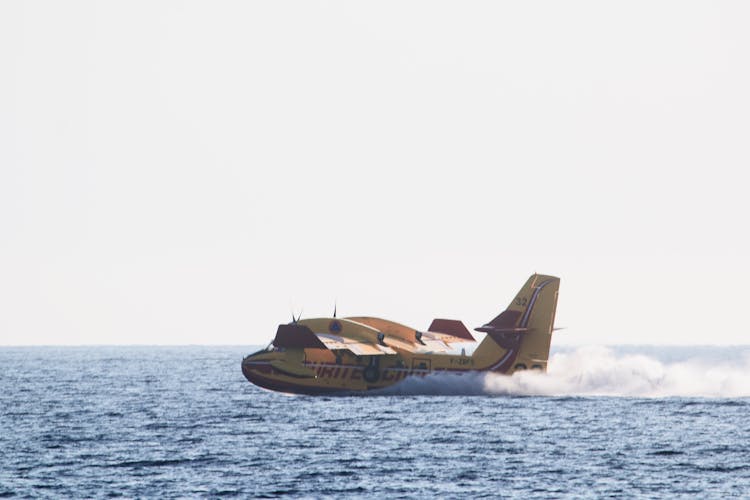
[{"x": 183, "y": 422}]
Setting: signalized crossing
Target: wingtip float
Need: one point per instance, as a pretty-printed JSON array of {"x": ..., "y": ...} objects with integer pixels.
[{"x": 345, "y": 355}]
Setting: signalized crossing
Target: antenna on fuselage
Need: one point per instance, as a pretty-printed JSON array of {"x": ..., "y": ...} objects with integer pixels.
[
  {"x": 295, "y": 320},
  {"x": 334, "y": 308}
]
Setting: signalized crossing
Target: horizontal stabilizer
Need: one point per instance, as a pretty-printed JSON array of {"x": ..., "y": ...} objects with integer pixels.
[
  {"x": 452, "y": 327},
  {"x": 492, "y": 329}
]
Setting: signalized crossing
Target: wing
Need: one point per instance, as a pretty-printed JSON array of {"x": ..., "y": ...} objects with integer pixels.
[
  {"x": 296, "y": 336},
  {"x": 337, "y": 342},
  {"x": 369, "y": 336},
  {"x": 408, "y": 339}
]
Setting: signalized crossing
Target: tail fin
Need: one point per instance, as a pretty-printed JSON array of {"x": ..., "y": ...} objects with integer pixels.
[{"x": 524, "y": 329}]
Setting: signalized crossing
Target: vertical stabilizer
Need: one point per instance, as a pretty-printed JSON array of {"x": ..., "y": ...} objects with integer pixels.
[{"x": 523, "y": 332}]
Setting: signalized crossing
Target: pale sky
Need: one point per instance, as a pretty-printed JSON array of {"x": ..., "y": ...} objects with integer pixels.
[{"x": 191, "y": 172}]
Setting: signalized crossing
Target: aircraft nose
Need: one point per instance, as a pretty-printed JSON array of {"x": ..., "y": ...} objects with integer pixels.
[
  {"x": 247, "y": 371},
  {"x": 251, "y": 365},
  {"x": 246, "y": 365}
]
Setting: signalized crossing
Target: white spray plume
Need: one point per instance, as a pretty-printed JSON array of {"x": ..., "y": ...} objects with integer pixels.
[{"x": 598, "y": 371}]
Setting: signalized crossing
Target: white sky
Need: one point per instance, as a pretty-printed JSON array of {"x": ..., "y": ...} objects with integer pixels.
[{"x": 188, "y": 172}]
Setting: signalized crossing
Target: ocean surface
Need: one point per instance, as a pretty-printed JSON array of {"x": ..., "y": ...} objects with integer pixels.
[{"x": 91, "y": 422}]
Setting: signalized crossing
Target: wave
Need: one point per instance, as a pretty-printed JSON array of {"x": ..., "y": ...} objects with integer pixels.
[{"x": 598, "y": 371}]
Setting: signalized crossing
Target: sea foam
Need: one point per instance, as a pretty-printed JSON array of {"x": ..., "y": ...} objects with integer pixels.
[{"x": 599, "y": 371}]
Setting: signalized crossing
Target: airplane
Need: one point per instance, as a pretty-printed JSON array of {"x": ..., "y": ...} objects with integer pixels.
[{"x": 360, "y": 353}]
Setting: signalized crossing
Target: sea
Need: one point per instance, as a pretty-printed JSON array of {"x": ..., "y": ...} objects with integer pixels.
[{"x": 182, "y": 422}]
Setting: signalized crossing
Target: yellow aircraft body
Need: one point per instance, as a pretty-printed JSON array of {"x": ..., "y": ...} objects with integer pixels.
[{"x": 344, "y": 355}]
